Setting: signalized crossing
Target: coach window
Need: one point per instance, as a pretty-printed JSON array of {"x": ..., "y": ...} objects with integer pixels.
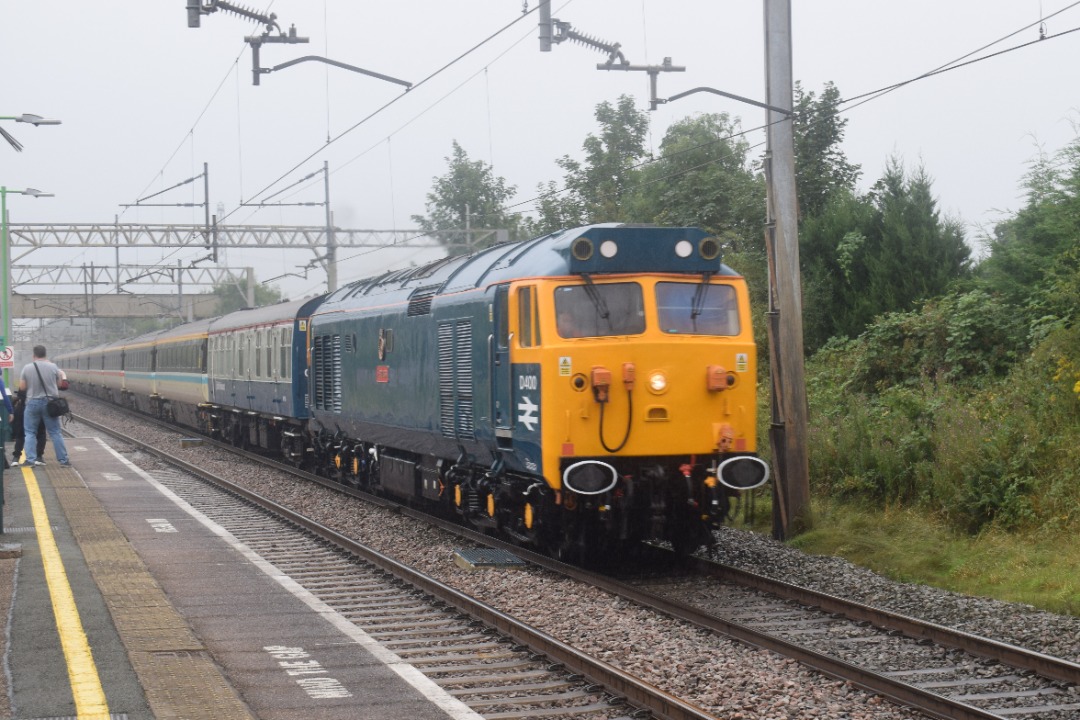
[
  {"x": 268, "y": 353},
  {"x": 258, "y": 353},
  {"x": 528, "y": 319},
  {"x": 268, "y": 350},
  {"x": 241, "y": 368},
  {"x": 286, "y": 344}
]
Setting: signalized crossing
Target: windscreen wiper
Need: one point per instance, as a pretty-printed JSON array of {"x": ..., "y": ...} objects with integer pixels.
[
  {"x": 698, "y": 305},
  {"x": 597, "y": 300}
]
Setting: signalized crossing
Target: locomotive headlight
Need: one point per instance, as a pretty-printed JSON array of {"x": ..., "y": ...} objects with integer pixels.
[{"x": 657, "y": 382}]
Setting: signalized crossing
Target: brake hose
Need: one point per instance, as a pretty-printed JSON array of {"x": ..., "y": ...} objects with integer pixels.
[{"x": 629, "y": 422}]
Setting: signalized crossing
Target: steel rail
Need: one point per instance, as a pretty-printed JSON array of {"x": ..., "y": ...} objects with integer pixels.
[
  {"x": 896, "y": 690},
  {"x": 620, "y": 684},
  {"x": 1045, "y": 665}
]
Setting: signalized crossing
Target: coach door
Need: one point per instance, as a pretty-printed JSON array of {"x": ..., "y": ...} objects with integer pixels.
[{"x": 501, "y": 392}]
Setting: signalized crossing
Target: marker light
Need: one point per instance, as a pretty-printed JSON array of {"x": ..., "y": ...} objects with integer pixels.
[{"x": 657, "y": 382}]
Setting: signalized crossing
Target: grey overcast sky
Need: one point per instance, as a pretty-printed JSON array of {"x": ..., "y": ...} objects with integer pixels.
[{"x": 145, "y": 101}]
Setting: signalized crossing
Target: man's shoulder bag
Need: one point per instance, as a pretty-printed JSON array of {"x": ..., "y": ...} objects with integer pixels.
[{"x": 56, "y": 406}]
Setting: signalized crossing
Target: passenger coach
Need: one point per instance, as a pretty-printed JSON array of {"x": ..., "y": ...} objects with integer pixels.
[{"x": 257, "y": 375}]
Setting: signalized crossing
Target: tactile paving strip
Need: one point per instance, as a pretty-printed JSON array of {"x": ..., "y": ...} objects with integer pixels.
[{"x": 179, "y": 677}]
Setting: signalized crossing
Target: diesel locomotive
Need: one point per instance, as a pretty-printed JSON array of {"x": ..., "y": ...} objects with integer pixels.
[{"x": 580, "y": 392}]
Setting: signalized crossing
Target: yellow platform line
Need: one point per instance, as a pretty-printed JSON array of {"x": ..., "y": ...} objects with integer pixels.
[{"x": 86, "y": 687}]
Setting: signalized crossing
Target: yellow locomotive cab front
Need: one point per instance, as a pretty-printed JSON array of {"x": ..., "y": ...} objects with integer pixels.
[
  {"x": 637, "y": 393},
  {"x": 671, "y": 369}
]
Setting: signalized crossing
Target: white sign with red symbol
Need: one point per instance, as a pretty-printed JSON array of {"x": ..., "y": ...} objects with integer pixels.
[{"x": 7, "y": 357}]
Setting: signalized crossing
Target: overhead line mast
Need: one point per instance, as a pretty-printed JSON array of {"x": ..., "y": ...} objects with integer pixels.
[
  {"x": 196, "y": 9},
  {"x": 791, "y": 490},
  {"x": 791, "y": 512},
  {"x": 555, "y": 31}
]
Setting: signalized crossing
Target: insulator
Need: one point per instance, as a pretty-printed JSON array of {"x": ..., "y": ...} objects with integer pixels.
[{"x": 247, "y": 13}]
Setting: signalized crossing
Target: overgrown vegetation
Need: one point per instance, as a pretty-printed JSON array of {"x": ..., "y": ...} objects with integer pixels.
[
  {"x": 968, "y": 406},
  {"x": 964, "y": 412}
]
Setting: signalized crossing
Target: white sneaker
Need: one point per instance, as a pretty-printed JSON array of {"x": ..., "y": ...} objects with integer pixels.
[{"x": 39, "y": 463}]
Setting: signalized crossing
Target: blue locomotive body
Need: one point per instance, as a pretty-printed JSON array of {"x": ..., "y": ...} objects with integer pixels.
[{"x": 580, "y": 392}]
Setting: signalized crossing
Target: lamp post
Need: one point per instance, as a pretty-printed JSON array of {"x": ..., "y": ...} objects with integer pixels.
[
  {"x": 5, "y": 272},
  {"x": 30, "y": 118},
  {"x": 5, "y": 265},
  {"x": 5, "y": 249},
  {"x": 5, "y": 277}
]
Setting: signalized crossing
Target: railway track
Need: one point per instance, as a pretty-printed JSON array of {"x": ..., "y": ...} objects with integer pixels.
[
  {"x": 495, "y": 664},
  {"x": 940, "y": 671}
]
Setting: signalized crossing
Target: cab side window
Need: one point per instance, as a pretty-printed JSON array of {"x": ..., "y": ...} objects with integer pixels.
[{"x": 528, "y": 317}]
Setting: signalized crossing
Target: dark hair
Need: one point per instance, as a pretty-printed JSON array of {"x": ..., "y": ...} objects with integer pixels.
[{"x": 39, "y": 351}]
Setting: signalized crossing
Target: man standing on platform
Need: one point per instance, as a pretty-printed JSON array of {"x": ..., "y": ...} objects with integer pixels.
[{"x": 39, "y": 379}]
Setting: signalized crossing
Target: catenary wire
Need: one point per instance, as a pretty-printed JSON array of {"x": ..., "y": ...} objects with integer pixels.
[
  {"x": 428, "y": 108},
  {"x": 868, "y": 96},
  {"x": 958, "y": 61},
  {"x": 392, "y": 102},
  {"x": 413, "y": 119},
  {"x": 330, "y": 140}
]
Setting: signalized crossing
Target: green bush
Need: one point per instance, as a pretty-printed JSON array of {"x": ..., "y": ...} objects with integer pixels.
[
  {"x": 977, "y": 450},
  {"x": 953, "y": 338}
]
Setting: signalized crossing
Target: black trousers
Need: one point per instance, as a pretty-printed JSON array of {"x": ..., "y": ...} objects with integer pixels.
[{"x": 20, "y": 435}]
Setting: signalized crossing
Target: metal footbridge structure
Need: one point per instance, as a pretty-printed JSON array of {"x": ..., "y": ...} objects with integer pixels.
[{"x": 113, "y": 289}]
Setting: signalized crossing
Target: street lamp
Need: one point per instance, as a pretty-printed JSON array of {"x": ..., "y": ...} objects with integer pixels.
[
  {"x": 30, "y": 118},
  {"x": 5, "y": 278},
  {"x": 5, "y": 265}
]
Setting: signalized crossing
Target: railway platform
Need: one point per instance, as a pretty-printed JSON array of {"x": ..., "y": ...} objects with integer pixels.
[{"x": 126, "y": 603}]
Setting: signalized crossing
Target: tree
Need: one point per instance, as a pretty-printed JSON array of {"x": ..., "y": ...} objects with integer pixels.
[
  {"x": 917, "y": 253},
  {"x": 883, "y": 252},
  {"x": 108, "y": 329},
  {"x": 469, "y": 195},
  {"x": 821, "y": 168},
  {"x": 832, "y": 247},
  {"x": 704, "y": 178},
  {"x": 597, "y": 189},
  {"x": 1034, "y": 255},
  {"x": 231, "y": 297}
]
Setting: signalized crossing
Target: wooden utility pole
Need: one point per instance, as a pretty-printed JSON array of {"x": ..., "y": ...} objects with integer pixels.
[{"x": 787, "y": 434}]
